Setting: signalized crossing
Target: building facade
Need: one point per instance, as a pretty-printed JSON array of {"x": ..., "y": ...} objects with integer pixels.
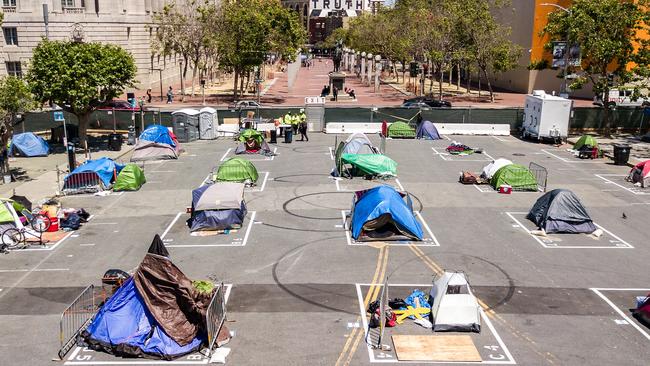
[{"x": 121, "y": 22}]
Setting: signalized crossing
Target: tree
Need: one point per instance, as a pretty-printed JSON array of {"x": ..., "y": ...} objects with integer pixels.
[
  {"x": 187, "y": 30},
  {"x": 15, "y": 98},
  {"x": 79, "y": 77},
  {"x": 614, "y": 54},
  {"x": 251, "y": 29}
]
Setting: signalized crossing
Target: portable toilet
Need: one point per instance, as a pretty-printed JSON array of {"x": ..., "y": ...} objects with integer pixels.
[
  {"x": 208, "y": 124},
  {"x": 185, "y": 124},
  {"x": 546, "y": 116}
]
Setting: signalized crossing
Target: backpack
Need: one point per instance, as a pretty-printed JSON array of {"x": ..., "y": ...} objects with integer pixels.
[{"x": 468, "y": 178}]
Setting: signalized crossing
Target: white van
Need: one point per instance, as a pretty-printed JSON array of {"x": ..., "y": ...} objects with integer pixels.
[{"x": 623, "y": 98}]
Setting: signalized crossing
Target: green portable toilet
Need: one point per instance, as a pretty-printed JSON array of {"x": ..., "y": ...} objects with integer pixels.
[
  {"x": 131, "y": 178},
  {"x": 515, "y": 175},
  {"x": 236, "y": 170}
]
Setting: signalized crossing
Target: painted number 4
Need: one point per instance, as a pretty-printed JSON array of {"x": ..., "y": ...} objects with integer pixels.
[{"x": 492, "y": 356}]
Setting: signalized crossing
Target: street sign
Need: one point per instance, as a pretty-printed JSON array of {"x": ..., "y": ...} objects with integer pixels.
[{"x": 58, "y": 116}]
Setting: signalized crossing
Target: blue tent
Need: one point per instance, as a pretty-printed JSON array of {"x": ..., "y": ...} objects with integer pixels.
[
  {"x": 218, "y": 206},
  {"x": 28, "y": 144},
  {"x": 381, "y": 212},
  {"x": 124, "y": 326},
  {"x": 159, "y": 134},
  {"x": 428, "y": 131},
  {"x": 105, "y": 168}
]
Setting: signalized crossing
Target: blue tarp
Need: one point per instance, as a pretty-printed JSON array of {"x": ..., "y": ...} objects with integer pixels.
[
  {"x": 159, "y": 134},
  {"x": 104, "y": 167},
  {"x": 28, "y": 144},
  {"x": 427, "y": 131},
  {"x": 125, "y": 326},
  {"x": 384, "y": 200}
]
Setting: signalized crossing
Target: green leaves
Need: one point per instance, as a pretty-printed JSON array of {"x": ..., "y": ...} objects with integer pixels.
[
  {"x": 79, "y": 77},
  {"x": 15, "y": 96}
]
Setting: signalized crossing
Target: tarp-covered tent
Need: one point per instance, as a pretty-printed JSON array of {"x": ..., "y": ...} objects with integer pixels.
[
  {"x": 218, "y": 206},
  {"x": 148, "y": 150},
  {"x": 28, "y": 144},
  {"x": 382, "y": 213},
  {"x": 454, "y": 307},
  {"x": 159, "y": 134},
  {"x": 585, "y": 140},
  {"x": 236, "y": 170},
  {"x": 401, "y": 130},
  {"x": 252, "y": 142},
  {"x": 356, "y": 143},
  {"x": 515, "y": 175},
  {"x": 428, "y": 131},
  {"x": 157, "y": 314},
  {"x": 494, "y": 166},
  {"x": 105, "y": 168},
  {"x": 370, "y": 165},
  {"x": 131, "y": 178},
  {"x": 642, "y": 312},
  {"x": 640, "y": 174},
  {"x": 560, "y": 211}
]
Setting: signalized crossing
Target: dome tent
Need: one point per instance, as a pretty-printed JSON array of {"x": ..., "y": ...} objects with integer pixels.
[
  {"x": 131, "y": 178},
  {"x": 585, "y": 140},
  {"x": 515, "y": 175},
  {"x": 428, "y": 131},
  {"x": 356, "y": 143},
  {"x": 560, "y": 211},
  {"x": 236, "y": 169},
  {"x": 401, "y": 130}
]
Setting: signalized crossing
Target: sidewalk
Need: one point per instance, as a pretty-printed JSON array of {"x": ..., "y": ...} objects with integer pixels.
[
  {"x": 640, "y": 151},
  {"x": 36, "y": 178}
]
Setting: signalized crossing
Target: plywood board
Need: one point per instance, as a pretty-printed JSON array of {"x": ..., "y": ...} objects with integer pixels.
[{"x": 443, "y": 348}]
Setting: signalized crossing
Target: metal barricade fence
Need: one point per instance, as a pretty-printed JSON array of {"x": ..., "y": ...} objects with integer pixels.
[
  {"x": 541, "y": 175},
  {"x": 75, "y": 318},
  {"x": 216, "y": 315},
  {"x": 82, "y": 182}
]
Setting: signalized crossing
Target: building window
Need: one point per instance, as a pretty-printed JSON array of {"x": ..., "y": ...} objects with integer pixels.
[
  {"x": 9, "y": 3},
  {"x": 11, "y": 36},
  {"x": 14, "y": 68},
  {"x": 67, "y": 3}
]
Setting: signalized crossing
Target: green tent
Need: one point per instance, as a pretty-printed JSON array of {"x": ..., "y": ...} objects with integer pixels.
[
  {"x": 5, "y": 212},
  {"x": 236, "y": 170},
  {"x": 131, "y": 178},
  {"x": 371, "y": 164},
  {"x": 515, "y": 175},
  {"x": 401, "y": 130},
  {"x": 585, "y": 140},
  {"x": 248, "y": 134}
]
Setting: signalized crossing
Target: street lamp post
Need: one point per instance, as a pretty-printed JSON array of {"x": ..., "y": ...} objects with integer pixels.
[
  {"x": 363, "y": 66},
  {"x": 369, "y": 56},
  {"x": 377, "y": 71},
  {"x": 563, "y": 93}
]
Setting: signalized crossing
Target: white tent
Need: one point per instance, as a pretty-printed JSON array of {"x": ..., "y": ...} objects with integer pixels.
[
  {"x": 454, "y": 309},
  {"x": 495, "y": 165}
]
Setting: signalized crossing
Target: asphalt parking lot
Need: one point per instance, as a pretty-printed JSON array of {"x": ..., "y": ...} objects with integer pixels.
[{"x": 296, "y": 282}]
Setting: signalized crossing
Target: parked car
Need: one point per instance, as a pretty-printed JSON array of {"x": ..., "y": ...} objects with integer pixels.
[
  {"x": 621, "y": 97},
  {"x": 244, "y": 104},
  {"x": 119, "y": 105},
  {"x": 423, "y": 102}
]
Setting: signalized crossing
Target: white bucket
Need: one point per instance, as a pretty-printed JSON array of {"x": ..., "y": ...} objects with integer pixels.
[{"x": 7, "y": 179}]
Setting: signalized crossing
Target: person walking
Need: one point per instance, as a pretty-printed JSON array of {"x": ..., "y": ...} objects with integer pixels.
[
  {"x": 303, "y": 130},
  {"x": 170, "y": 95},
  {"x": 149, "y": 96},
  {"x": 335, "y": 93}
]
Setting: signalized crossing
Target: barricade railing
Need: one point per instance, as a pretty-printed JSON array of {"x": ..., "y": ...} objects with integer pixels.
[
  {"x": 541, "y": 175},
  {"x": 75, "y": 318},
  {"x": 216, "y": 315},
  {"x": 82, "y": 182}
]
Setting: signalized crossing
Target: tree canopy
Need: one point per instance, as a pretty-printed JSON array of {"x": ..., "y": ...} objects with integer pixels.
[
  {"x": 614, "y": 54},
  {"x": 79, "y": 77}
]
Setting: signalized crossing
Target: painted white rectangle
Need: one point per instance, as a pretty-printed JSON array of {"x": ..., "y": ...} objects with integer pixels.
[
  {"x": 262, "y": 186},
  {"x": 620, "y": 243},
  {"x": 462, "y": 158},
  {"x": 231, "y": 244},
  {"x": 45, "y": 248},
  {"x": 576, "y": 161},
  {"x": 632, "y": 189},
  {"x": 509, "y": 360},
  {"x": 223, "y": 157},
  {"x": 633, "y": 323},
  {"x": 431, "y": 241}
]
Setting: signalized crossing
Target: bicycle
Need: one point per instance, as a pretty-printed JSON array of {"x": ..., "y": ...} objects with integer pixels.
[{"x": 14, "y": 238}]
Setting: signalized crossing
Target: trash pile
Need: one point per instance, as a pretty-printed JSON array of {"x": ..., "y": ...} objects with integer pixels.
[{"x": 456, "y": 148}]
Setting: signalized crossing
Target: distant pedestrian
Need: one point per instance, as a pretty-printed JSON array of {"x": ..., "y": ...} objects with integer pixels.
[
  {"x": 170, "y": 95},
  {"x": 335, "y": 93},
  {"x": 149, "y": 95},
  {"x": 303, "y": 130}
]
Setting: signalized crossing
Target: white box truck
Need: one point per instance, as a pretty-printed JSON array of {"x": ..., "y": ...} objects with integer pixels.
[{"x": 546, "y": 116}]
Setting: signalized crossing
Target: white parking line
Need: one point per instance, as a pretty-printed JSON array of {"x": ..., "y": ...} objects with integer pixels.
[
  {"x": 371, "y": 355},
  {"x": 616, "y": 244},
  {"x": 577, "y": 161},
  {"x": 34, "y": 270},
  {"x": 266, "y": 177},
  {"x": 449, "y": 157},
  {"x": 243, "y": 242},
  {"x": 45, "y": 248},
  {"x": 616, "y": 308},
  {"x": 225, "y": 154},
  {"x": 401, "y": 187},
  {"x": 331, "y": 153},
  {"x": 170, "y": 225},
  {"x": 633, "y": 190},
  {"x": 432, "y": 242}
]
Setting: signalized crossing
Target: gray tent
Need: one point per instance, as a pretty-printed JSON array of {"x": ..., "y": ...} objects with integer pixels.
[
  {"x": 149, "y": 150},
  {"x": 560, "y": 211},
  {"x": 218, "y": 206}
]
